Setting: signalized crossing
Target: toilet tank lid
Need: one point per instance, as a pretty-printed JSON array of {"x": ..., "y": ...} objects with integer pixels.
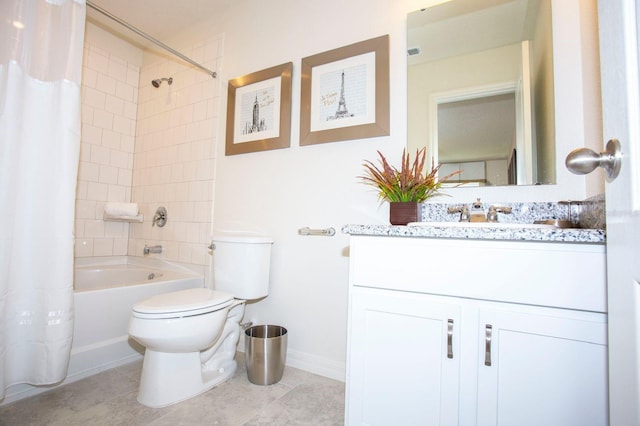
[{"x": 240, "y": 237}]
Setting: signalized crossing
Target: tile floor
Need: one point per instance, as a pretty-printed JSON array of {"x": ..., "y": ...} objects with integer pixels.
[{"x": 109, "y": 398}]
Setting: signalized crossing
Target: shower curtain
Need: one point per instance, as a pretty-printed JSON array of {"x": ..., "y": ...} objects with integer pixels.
[{"x": 41, "y": 43}]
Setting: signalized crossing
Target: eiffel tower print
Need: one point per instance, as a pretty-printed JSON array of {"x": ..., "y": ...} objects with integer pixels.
[{"x": 342, "y": 111}]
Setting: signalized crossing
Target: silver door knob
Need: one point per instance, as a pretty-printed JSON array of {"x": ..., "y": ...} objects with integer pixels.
[{"x": 583, "y": 160}]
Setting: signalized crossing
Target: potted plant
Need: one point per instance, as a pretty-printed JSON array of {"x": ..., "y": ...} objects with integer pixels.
[{"x": 406, "y": 188}]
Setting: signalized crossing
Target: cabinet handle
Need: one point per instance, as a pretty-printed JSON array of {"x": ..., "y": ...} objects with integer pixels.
[
  {"x": 450, "y": 338},
  {"x": 487, "y": 345}
]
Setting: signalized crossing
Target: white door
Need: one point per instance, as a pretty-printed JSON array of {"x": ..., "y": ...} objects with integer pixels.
[{"x": 618, "y": 22}]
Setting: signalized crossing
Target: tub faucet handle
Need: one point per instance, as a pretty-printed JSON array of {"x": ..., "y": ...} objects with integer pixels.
[{"x": 160, "y": 218}]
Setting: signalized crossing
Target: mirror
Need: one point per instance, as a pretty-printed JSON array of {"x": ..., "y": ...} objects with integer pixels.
[{"x": 480, "y": 90}]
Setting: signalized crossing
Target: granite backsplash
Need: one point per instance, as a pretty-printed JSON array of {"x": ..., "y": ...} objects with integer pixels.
[{"x": 589, "y": 213}]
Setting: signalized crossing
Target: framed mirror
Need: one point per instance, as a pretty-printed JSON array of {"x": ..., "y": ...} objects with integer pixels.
[{"x": 480, "y": 95}]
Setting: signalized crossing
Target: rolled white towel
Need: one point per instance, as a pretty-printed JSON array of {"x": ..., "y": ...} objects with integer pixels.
[{"x": 121, "y": 209}]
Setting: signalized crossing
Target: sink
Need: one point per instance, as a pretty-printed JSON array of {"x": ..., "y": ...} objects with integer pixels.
[
  {"x": 500, "y": 225},
  {"x": 557, "y": 222}
]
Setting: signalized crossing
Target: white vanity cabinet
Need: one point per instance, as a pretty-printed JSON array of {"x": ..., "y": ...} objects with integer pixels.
[{"x": 476, "y": 332}]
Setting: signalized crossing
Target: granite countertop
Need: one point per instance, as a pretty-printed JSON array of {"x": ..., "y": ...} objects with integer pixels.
[
  {"x": 569, "y": 235},
  {"x": 589, "y": 213}
]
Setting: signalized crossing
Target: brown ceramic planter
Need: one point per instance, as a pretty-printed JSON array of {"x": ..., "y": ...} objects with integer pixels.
[{"x": 403, "y": 213}]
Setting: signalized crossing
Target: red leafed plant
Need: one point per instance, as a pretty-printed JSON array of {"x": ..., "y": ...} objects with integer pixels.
[{"x": 412, "y": 183}]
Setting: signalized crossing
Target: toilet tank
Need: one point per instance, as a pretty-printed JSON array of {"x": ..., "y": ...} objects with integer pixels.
[{"x": 241, "y": 264}]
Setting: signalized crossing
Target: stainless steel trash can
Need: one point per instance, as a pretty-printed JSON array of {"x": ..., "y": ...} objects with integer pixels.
[{"x": 265, "y": 353}]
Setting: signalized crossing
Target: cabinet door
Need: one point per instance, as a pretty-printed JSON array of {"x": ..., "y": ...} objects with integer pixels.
[
  {"x": 542, "y": 367},
  {"x": 403, "y": 360}
]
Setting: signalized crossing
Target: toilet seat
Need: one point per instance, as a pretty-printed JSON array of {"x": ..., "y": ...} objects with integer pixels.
[{"x": 183, "y": 303}]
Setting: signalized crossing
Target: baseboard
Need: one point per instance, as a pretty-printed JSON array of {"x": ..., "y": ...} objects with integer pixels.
[
  {"x": 316, "y": 365},
  {"x": 312, "y": 363}
]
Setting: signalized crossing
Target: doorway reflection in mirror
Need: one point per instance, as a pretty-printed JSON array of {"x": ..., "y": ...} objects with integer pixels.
[{"x": 471, "y": 60}]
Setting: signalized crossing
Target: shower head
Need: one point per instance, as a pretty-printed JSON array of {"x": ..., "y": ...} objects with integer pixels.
[{"x": 158, "y": 81}]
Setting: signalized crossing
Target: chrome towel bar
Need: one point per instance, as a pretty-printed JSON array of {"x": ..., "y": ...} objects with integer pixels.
[{"x": 327, "y": 232}]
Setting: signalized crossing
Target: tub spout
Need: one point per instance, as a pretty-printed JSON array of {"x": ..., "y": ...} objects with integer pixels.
[{"x": 152, "y": 249}]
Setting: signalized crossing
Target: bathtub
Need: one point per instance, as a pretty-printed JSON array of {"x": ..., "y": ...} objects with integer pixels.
[{"x": 104, "y": 291}]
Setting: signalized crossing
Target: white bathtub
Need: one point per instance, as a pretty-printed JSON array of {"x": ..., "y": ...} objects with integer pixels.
[
  {"x": 105, "y": 276},
  {"x": 105, "y": 290}
]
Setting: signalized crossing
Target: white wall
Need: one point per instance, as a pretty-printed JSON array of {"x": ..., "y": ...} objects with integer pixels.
[{"x": 277, "y": 192}]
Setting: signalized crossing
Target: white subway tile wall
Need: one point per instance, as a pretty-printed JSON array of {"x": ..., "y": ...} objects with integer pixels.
[
  {"x": 109, "y": 106},
  {"x": 152, "y": 146},
  {"x": 175, "y": 153}
]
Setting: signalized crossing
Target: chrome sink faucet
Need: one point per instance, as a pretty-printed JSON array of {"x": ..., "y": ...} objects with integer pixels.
[{"x": 477, "y": 212}]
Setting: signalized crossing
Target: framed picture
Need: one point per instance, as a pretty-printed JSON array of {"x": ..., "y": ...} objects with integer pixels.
[
  {"x": 345, "y": 93},
  {"x": 259, "y": 111}
]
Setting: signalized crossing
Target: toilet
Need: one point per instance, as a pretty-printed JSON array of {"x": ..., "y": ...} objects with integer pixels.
[{"x": 190, "y": 336}]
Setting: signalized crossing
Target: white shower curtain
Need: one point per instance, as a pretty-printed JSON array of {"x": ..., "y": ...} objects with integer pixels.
[{"x": 41, "y": 44}]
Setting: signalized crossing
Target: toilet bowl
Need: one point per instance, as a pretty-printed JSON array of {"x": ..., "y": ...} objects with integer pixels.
[
  {"x": 181, "y": 332},
  {"x": 190, "y": 336}
]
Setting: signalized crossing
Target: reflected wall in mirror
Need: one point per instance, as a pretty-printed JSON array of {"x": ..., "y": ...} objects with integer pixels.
[{"x": 480, "y": 90}]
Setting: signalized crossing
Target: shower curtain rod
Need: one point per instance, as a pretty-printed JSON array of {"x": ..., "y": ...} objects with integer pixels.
[{"x": 151, "y": 39}]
